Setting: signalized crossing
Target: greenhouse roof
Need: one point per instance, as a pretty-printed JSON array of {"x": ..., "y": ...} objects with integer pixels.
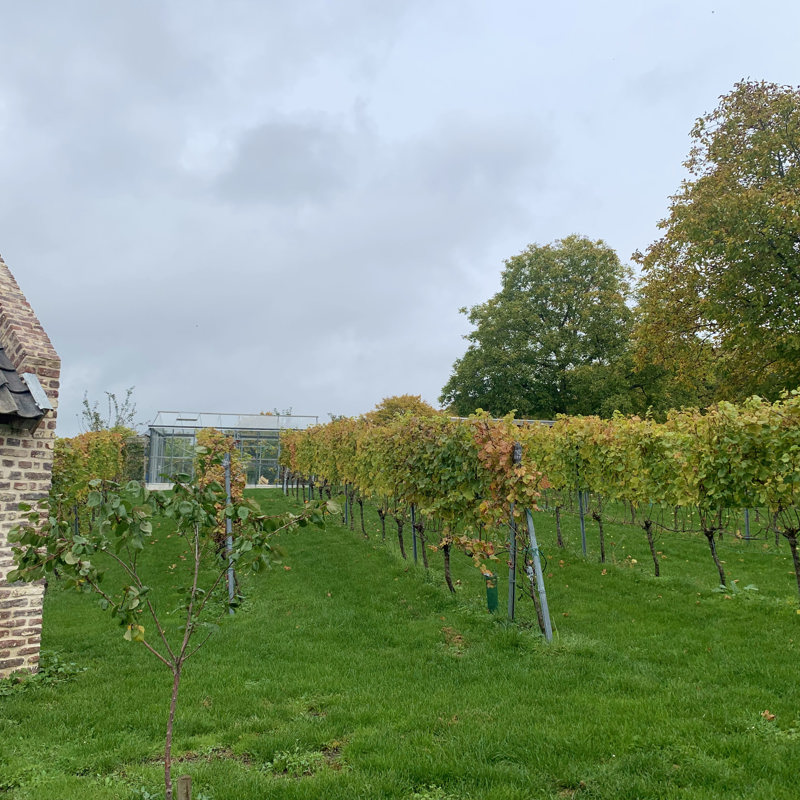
[{"x": 225, "y": 421}]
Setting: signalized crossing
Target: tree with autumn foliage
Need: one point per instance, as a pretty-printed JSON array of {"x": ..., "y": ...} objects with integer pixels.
[{"x": 719, "y": 289}]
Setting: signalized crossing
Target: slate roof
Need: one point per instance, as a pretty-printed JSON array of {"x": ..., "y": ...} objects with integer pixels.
[{"x": 16, "y": 401}]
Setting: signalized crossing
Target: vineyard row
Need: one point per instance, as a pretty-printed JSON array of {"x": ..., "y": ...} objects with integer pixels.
[{"x": 473, "y": 475}]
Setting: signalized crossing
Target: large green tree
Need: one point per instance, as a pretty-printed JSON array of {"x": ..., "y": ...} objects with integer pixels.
[
  {"x": 719, "y": 292},
  {"x": 551, "y": 340}
]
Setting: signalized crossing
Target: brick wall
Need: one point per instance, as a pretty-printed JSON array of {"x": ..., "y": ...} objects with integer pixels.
[{"x": 26, "y": 462}]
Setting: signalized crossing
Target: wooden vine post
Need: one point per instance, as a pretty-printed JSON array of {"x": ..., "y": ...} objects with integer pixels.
[{"x": 184, "y": 787}]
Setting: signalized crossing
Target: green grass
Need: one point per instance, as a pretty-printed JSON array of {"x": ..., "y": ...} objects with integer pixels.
[{"x": 354, "y": 674}]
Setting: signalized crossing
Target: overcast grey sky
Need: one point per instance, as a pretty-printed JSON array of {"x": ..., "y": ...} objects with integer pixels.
[{"x": 238, "y": 205}]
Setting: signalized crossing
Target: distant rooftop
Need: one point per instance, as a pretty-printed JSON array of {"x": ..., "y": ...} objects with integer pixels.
[{"x": 225, "y": 421}]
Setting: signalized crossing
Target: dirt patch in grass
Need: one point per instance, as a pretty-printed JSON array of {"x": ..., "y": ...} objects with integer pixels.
[
  {"x": 454, "y": 640},
  {"x": 209, "y": 755}
]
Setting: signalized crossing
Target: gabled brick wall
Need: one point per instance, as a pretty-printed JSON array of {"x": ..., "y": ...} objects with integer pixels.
[{"x": 26, "y": 462}]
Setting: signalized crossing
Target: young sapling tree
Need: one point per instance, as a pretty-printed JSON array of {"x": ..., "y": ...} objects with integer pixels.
[{"x": 108, "y": 561}]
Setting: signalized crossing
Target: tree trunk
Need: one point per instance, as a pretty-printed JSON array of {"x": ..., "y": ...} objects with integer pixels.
[
  {"x": 400, "y": 536},
  {"x": 713, "y": 547},
  {"x": 558, "y": 526},
  {"x": 360, "y": 501},
  {"x": 447, "y": 578},
  {"x": 648, "y": 529},
  {"x": 382, "y": 517}
]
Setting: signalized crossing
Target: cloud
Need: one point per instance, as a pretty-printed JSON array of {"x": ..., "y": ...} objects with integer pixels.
[{"x": 286, "y": 162}]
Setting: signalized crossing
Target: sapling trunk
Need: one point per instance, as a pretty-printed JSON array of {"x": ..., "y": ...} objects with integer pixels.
[
  {"x": 648, "y": 529},
  {"x": 352, "y": 494},
  {"x": 597, "y": 516},
  {"x": 176, "y": 664},
  {"x": 558, "y": 526},
  {"x": 709, "y": 534},
  {"x": 602, "y": 534},
  {"x": 420, "y": 526},
  {"x": 400, "y": 536},
  {"x": 176, "y": 680},
  {"x": 447, "y": 578}
]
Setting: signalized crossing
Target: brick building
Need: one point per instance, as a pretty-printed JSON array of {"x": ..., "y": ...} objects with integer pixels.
[{"x": 29, "y": 381}]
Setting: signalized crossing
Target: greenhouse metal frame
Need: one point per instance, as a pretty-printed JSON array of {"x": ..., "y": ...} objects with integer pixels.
[{"x": 173, "y": 436}]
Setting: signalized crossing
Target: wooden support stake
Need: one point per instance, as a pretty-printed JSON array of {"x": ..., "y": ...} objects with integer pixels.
[{"x": 185, "y": 787}]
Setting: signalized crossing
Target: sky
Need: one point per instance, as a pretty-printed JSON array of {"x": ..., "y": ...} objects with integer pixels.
[{"x": 249, "y": 205}]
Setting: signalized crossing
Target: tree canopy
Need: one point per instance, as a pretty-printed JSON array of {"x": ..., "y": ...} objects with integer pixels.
[
  {"x": 395, "y": 406},
  {"x": 719, "y": 289},
  {"x": 551, "y": 339}
]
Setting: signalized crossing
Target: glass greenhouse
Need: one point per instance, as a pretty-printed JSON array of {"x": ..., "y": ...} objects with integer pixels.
[{"x": 172, "y": 441}]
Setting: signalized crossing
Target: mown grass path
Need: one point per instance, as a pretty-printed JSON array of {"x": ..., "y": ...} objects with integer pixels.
[{"x": 353, "y": 674}]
